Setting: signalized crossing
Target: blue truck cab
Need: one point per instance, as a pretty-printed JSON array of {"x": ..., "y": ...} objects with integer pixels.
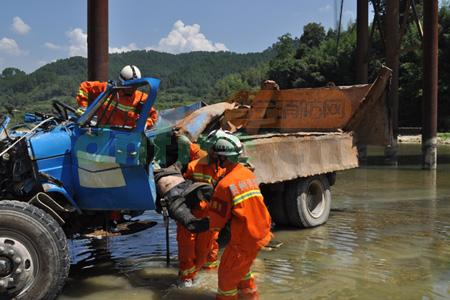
[{"x": 100, "y": 167}]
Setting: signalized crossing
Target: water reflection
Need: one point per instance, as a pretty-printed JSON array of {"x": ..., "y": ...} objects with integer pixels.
[{"x": 388, "y": 237}]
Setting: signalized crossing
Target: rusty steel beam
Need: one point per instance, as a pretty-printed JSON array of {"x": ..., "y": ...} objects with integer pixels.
[
  {"x": 362, "y": 42},
  {"x": 362, "y": 57},
  {"x": 430, "y": 83},
  {"x": 97, "y": 39},
  {"x": 392, "y": 34}
]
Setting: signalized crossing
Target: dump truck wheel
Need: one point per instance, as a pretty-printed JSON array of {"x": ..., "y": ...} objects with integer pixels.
[
  {"x": 308, "y": 201},
  {"x": 274, "y": 199},
  {"x": 34, "y": 258}
]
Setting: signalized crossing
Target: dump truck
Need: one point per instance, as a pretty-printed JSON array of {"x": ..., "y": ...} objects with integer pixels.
[
  {"x": 296, "y": 140},
  {"x": 63, "y": 176}
]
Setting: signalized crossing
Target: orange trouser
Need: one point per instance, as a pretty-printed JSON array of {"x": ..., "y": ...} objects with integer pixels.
[
  {"x": 234, "y": 273},
  {"x": 193, "y": 251},
  {"x": 211, "y": 261}
]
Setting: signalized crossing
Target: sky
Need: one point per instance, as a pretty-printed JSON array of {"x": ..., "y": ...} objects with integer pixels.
[{"x": 34, "y": 33}]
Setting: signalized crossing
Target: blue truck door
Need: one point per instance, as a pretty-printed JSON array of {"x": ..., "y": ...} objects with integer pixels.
[
  {"x": 111, "y": 171},
  {"x": 111, "y": 166}
]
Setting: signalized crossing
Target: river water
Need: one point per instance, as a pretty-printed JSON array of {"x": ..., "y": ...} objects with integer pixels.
[{"x": 388, "y": 237}]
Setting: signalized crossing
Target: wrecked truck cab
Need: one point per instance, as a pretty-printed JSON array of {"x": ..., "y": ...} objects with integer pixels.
[
  {"x": 101, "y": 167},
  {"x": 62, "y": 177}
]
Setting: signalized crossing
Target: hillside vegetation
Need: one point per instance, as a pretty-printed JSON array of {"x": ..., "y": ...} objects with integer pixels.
[{"x": 185, "y": 77}]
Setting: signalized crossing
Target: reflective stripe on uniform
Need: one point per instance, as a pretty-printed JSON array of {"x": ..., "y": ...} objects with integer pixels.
[
  {"x": 203, "y": 178},
  {"x": 248, "y": 276},
  {"x": 126, "y": 108},
  {"x": 82, "y": 93},
  {"x": 227, "y": 293},
  {"x": 247, "y": 195},
  {"x": 210, "y": 264},
  {"x": 188, "y": 271}
]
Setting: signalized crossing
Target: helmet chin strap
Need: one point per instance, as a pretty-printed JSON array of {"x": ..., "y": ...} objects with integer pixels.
[
  {"x": 221, "y": 161},
  {"x": 134, "y": 72},
  {"x": 214, "y": 159}
]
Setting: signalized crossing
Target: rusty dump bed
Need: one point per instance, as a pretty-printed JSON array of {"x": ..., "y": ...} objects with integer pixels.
[
  {"x": 301, "y": 132},
  {"x": 358, "y": 108},
  {"x": 281, "y": 157}
]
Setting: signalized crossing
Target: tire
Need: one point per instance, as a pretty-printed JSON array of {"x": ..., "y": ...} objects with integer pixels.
[
  {"x": 274, "y": 199},
  {"x": 308, "y": 201},
  {"x": 34, "y": 247}
]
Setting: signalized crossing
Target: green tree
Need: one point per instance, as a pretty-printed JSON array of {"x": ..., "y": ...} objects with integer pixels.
[
  {"x": 11, "y": 72},
  {"x": 283, "y": 66},
  {"x": 313, "y": 35}
]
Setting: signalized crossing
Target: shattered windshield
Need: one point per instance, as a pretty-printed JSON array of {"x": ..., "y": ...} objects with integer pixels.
[{"x": 119, "y": 109}]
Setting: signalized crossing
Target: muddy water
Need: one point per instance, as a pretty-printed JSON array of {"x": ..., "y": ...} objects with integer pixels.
[{"x": 388, "y": 237}]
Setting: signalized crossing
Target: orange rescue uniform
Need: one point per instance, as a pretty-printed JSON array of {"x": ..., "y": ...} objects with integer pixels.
[
  {"x": 198, "y": 250},
  {"x": 125, "y": 109},
  {"x": 238, "y": 199},
  {"x": 195, "y": 152}
]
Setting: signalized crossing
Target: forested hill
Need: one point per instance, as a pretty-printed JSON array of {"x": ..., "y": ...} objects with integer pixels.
[{"x": 184, "y": 77}]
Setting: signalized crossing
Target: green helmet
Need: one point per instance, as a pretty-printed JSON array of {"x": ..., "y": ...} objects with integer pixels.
[
  {"x": 212, "y": 137},
  {"x": 227, "y": 145}
]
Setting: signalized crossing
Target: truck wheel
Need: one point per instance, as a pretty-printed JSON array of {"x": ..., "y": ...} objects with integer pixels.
[
  {"x": 273, "y": 196},
  {"x": 34, "y": 258},
  {"x": 308, "y": 201}
]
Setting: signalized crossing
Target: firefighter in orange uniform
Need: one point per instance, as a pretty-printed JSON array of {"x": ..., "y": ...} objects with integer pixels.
[
  {"x": 197, "y": 250},
  {"x": 238, "y": 200},
  {"x": 126, "y": 105}
]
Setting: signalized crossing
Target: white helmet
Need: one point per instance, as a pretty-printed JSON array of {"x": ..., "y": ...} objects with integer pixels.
[{"x": 129, "y": 72}]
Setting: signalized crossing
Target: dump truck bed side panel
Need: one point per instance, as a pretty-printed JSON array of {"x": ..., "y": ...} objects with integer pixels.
[{"x": 284, "y": 157}]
